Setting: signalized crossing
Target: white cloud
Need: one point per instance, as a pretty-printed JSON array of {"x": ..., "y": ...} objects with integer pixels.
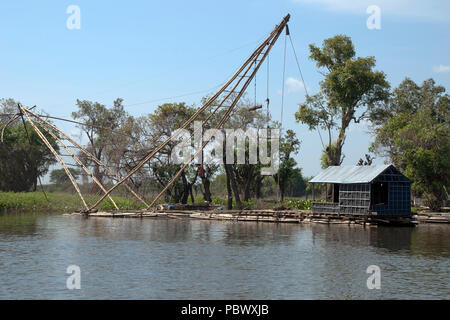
[
  {"x": 441, "y": 69},
  {"x": 294, "y": 85},
  {"x": 419, "y": 9}
]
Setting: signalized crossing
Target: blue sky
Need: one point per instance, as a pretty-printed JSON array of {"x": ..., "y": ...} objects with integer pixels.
[{"x": 143, "y": 51}]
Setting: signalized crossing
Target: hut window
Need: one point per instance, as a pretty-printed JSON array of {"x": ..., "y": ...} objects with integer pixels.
[{"x": 380, "y": 193}]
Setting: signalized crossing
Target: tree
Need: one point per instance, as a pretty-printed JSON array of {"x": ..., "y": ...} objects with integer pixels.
[
  {"x": 413, "y": 131},
  {"x": 367, "y": 162},
  {"x": 59, "y": 176},
  {"x": 245, "y": 179},
  {"x": 289, "y": 145},
  {"x": 296, "y": 185},
  {"x": 24, "y": 157},
  {"x": 99, "y": 123},
  {"x": 161, "y": 124},
  {"x": 350, "y": 90},
  {"x": 7, "y": 107}
]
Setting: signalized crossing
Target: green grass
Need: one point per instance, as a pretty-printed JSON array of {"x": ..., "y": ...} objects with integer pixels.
[{"x": 58, "y": 202}]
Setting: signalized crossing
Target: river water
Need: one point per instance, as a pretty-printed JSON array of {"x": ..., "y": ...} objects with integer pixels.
[{"x": 191, "y": 259}]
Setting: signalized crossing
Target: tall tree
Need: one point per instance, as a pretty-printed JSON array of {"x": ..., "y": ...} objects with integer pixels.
[
  {"x": 246, "y": 176},
  {"x": 23, "y": 155},
  {"x": 296, "y": 185},
  {"x": 161, "y": 124},
  {"x": 412, "y": 130},
  {"x": 99, "y": 123},
  {"x": 350, "y": 90},
  {"x": 289, "y": 146}
]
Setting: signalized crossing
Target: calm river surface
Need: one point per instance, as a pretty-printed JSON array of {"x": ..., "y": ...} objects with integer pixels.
[{"x": 185, "y": 259}]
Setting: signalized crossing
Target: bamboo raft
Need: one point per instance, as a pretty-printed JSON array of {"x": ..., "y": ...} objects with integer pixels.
[
  {"x": 273, "y": 216},
  {"x": 434, "y": 217}
]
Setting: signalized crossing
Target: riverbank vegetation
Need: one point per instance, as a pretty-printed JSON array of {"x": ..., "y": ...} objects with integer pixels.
[
  {"x": 69, "y": 202},
  {"x": 57, "y": 202}
]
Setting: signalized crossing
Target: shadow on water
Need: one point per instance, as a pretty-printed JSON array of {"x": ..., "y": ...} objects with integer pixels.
[
  {"x": 427, "y": 239},
  {"x": 182, "y": 230}
]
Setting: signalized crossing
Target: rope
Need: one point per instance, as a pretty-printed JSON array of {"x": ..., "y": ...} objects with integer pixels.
[
  {"x": 282, "y": 105},
  {"x": 303, "y": 81},
  {"x": 267, "y": 93}
]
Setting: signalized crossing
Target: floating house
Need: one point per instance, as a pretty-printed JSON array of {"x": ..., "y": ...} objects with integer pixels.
[{"x": 380, "y": 190}]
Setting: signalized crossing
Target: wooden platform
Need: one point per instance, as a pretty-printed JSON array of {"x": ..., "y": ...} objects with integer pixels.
[
  {"x": 274, "y": 216},
  {"x": 434, "y": 217}
]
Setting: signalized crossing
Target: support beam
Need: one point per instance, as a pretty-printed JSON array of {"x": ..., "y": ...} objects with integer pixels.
[
  {"x": 77, "y": 160},
  {"x": 87, "y": 153},
  {"x": 270, "y": 40},
  {"x": 49, "y": 146}
]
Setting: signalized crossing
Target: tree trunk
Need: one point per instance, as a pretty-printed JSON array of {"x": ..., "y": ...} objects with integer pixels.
[
  {"x": 229, "y": 193},
  {"x": 192, "y": 194},
  {"x": 248, "y": 183},
  {"x": 228, "y": 175},
  {"x": 234, "y": 186},
  {"x": 258, "y": 186},
  {"x": 185, "y": 195},
  {"x": 207, "y": 187}
]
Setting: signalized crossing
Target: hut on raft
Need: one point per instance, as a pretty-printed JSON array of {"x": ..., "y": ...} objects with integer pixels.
[{"x": 380, "y": 190}]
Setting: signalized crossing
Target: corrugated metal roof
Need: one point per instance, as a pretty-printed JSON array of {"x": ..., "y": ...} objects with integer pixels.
[{"x": 350, "y": 174}]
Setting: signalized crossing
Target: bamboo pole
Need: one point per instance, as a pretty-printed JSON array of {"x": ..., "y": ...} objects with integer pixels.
[
  {"x": 11, "y": 120},
  {"x": 275, "y": 32},
  {"x": 49, "y": 146},
  {"x": 88, "y": 154},
  {"x": 77, "y": 160},
  {"x": 233, "y": 104}
]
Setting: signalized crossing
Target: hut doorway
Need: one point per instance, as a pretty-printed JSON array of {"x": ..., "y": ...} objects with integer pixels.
[
  {"x": 380, "y": 193},
  {"x": 336, "y": 193}
]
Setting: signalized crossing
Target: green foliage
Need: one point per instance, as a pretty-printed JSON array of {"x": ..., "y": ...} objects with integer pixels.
[
  {"x": 415, "y": 136},
  {"x": 58, "y": 202},
  {"x": 331, "y": 152},
  {"x": 296, "y": 184},
  {"x": 289, "y": 145},
  {"x": 350, "y": 90},
  {"x": 298, "y": 204},
  {"x": 99, "y": 123},
  {"x": 24, "y": 157}
]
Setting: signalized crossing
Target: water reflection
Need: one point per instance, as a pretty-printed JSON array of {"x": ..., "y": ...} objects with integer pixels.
[
  {"x": 194, "y": 259},
  {"x": 18, "y": 224}
]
